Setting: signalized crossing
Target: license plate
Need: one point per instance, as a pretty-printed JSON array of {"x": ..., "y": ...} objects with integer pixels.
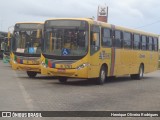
[
  {"x": 61, "y": 70},
  {"x": 27, "y": 68}
]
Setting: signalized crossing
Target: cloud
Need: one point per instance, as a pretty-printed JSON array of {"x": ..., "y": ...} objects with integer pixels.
[
  {"x": 58, "y": 9},
  {"x": 130, "y": 13}
]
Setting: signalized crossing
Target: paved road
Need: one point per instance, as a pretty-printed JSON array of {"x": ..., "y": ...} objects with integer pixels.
[{"x": 18, "y": 92}]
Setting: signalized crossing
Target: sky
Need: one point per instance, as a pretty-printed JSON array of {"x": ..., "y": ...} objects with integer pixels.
[{"x": 138, "y": 14}]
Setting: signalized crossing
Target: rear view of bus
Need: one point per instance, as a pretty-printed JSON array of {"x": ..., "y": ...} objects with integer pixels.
[{"x": 27, "y": 42}]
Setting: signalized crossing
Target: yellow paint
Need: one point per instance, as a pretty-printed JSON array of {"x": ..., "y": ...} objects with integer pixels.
[{"x": 51, "y": 42}]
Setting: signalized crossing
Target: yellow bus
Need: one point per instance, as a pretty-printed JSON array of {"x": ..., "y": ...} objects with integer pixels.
[
  {"x": 84, "y": 48},
  {"x": 26, "y": 48}
]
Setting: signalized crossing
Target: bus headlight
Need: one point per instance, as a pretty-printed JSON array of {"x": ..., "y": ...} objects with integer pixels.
[
  {"x": 44, "y": 64},
  {"x": 82, "y": 66}
]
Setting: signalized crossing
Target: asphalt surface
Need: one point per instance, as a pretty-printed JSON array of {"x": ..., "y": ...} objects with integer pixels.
[{"x": 20, "y": 93}]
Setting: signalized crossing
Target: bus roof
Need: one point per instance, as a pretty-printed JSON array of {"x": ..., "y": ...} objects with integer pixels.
[
  {"x": 91, "y": 21},
  {"x": 30, "y": 23}
]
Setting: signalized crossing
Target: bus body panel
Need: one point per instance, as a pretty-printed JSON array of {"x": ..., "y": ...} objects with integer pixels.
[
  {"x": 30, "y": 62},
  {"x": 118, "y": 61},
  {"x": 63, "y": 69},
  {"x": 23, "y": 64}
]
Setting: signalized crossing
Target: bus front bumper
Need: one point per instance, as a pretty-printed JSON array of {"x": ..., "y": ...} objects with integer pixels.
[
  {"x": 23, "y": 67},
  {"x": 73, "y": 73}
]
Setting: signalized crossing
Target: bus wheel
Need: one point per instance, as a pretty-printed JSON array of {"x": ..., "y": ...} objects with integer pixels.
[
  {"x": 62, "y": 79},
  {"x": 102, "y": 76},
  {"x": 141, "y": 72},
  {"x": 138, "y": 76},
  {"x": 31, "y": 74}
]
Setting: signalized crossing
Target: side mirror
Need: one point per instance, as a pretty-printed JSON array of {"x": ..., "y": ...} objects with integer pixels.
[{"x": 94, "y": 36}]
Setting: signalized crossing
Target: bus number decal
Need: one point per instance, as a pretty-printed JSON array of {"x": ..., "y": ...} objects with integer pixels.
[
  {"x": 141, "y": 56},
  {"x": 104, "y": 55}
]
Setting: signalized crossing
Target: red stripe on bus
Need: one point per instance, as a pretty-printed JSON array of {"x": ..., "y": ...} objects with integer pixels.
[
  {"x": 112, "y": 56},
  {"x": 50, "y": 64},
  {"x": 112, "y": 61}
]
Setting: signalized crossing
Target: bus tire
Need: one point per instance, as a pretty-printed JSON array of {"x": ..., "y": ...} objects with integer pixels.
[
  {"x": 133, "y": 76},
  {"x": 62, "y": 79},
  {"x": 138, "y": 76},
  {"x": 102, "y": 76},
  {"x": 31, "y": 74}
]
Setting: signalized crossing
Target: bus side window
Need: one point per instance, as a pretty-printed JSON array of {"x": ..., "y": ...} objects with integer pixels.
[
  {"x": 136, "y": 41},
  {"x": 144, "y": 43},
  {"x": 95, "y": 39},
  {"x": 150, "y": 44},
  {"x": 155, "y": 44},
  {"x": 106, "y": 37},
  {"x": 118, "y": 39},
  {"x": 127, "y": 40}
]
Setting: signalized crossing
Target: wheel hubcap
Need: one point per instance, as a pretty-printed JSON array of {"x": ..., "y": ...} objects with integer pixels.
[
  {"x": 103, "y": 75},
  {"x": 141, "y": 72}
]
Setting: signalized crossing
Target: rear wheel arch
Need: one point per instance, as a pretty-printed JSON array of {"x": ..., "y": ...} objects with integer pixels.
[
  {"x": 140, "y": 73},
  {"x": 102, "y": 74}
]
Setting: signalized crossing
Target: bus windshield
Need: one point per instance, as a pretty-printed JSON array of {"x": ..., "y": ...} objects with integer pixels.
[
  {"x": 66, "y": 38},
  {"x": 27, "y": 38}
]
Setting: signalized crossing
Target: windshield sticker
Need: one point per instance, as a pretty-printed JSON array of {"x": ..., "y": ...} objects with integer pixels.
[
  {"x": 20, "y": 50},
  {"x": 65, "y": 51},
  {"x": 32, "y": 50}
]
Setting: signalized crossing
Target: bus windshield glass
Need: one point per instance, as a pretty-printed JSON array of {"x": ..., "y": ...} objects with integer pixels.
[
  {"x": 27, "y": 38},
  {"x": 66, "y": 37}
]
